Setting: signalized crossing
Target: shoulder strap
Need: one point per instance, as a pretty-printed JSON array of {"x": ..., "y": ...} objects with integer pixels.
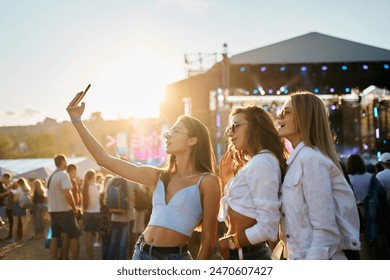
[
  {"x": 51, "y": 176},
  {"x": 201, "y": 177}
]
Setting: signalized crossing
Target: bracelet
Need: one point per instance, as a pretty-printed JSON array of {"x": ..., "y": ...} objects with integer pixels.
[
  {"x": 235, "y": 236},
  {"x": 75, "y": 120}
]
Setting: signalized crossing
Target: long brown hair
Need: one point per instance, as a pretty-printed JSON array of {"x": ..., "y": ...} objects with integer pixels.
[
  {"x": 312, "y": 122},
  {"x": 202, "y": 153},
  {"x": 262, "y": 134},
  {"x": 89, "y": 175}
]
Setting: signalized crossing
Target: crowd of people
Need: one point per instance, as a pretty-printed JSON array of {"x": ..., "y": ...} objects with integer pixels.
[
  {"x": 264, "y": 201},
  {"x": 65, "y": 208}
]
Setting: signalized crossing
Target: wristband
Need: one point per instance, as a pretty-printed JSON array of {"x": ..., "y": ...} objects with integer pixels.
[{"x": 75, "y": 120}]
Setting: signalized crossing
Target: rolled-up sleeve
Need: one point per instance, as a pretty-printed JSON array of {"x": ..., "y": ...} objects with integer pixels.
[{"x": 264, "y": 179}]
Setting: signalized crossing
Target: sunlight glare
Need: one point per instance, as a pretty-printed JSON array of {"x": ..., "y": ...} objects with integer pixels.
[{"x": 134, "y": 85}]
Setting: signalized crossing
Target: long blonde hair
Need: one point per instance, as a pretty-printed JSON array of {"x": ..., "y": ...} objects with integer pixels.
[
  {"x": 89, "y": 175},
  {"x": 23, "y": 183},
  {"x": 39, "y": 187},
  {"x": 311, "y": 117}
]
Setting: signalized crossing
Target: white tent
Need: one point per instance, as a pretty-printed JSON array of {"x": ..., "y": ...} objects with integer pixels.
[
  {"x": 39, "y": 173},
  {"x": 5, "y": 170},
  {"x": 20, "y": 166}
]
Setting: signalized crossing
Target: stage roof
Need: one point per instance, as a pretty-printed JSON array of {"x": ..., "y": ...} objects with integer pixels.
[{"x": 312, "y": 48}]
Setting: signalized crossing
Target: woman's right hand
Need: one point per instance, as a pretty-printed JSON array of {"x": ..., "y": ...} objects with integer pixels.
[
  {"x": 226, "y": 171},
  {"x": 223, "y": 246},
  {"x": 75, "y": 111}
]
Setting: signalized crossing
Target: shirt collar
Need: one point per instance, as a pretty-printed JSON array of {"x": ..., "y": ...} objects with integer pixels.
[{"x": 294, "y": 154}]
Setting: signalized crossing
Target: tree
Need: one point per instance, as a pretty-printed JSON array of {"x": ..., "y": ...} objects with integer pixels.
[
  {"x": 41, "y": 146},
  {"x": 6, "y": 147},
  {"x": 96, "y": 116}
]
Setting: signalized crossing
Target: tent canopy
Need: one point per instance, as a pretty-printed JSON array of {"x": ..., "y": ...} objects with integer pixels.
[
  {"x": 24, "y": 166},
  {"x": 39, "y": 173}
]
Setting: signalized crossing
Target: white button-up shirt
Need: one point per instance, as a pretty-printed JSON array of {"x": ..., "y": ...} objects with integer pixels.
[
  {"x": 319, "y": 212},
  {"x": 253, "y": 192}
]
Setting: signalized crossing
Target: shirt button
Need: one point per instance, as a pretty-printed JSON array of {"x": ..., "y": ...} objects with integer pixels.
[
  {"x": 283, "y": 215},
  {"x": 354, "y": 243},
  {"x": 288, "y": 235},
  {"x": 280, "y": 193}
]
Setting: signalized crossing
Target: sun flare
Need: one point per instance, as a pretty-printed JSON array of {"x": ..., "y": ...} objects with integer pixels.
[{"x": 134, "y": 86}]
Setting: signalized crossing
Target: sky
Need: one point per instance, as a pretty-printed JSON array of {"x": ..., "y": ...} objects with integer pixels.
[{"x": 128, "y": 50}]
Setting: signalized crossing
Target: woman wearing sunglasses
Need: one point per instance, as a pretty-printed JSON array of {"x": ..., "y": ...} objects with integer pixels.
[
  {"x": 185, "y": 192},
  {"x": 319, "y": 214},
  {"x": 252, "y": 169}
]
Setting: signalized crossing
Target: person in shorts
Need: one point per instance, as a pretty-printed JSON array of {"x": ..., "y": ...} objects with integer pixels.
[{"x": 62, "y": 208}]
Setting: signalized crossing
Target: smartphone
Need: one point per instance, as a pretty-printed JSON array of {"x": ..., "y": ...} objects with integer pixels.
[{"x": 79, "y": 96}]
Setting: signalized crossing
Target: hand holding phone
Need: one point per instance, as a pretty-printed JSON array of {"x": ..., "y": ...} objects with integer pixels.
[{"x": 79, "y": 96}]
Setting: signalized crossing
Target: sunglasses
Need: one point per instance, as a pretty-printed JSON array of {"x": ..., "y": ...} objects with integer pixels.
[
  {"x": 172, "y": 133},
  {"x": 233, "y": 127},
  {"x": 284, "y": 113}
]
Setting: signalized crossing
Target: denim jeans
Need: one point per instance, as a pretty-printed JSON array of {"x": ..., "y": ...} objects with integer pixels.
[
  {"x": 119, "y": 243},
  {"x": 39, "y": 210},
  {"x": 140, "y": 255},
  {"x": 105, "y": 244},
  {"x": 259, "y": 251}
]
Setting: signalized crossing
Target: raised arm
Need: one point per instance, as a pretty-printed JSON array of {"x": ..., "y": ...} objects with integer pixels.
[{"x": 146, "y": 175}]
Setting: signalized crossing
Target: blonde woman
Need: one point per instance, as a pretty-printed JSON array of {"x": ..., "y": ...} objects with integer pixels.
[
  {"x": 20, "y": 187},
  {"x": 39, "y": 199},
  {"x": 319, "y": 214},
  {"x": 185, "y": 193},
  {"x": 91, "y": 210}
]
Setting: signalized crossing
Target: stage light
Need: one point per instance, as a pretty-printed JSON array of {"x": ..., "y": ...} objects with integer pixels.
[
  {"x": 261, "y": 90},
  {"x": 242, "y": 69},
  {"x": 331, "y": 90},
  {"x": 377, "y": 135},
  {"x": 255, "y": 91},
  {"x": 303, "y": 68},
  {"x": 347, "y": 89},
  {"x": 270, "y": 91},
  {"x": 365, "y": 146},
  {"x": 333, "y": 107},
  {"x": 285, "y": 91},
  {"x": 365, "y": 67},
  {"x": 263, "y": 68},
  {"x": 266, "y": 107},
  {"x": 282, "y": 68},
  {"x": 324, "y": 68},
  {"x": 316, "y": 90},
  {"x": 344, "y": 67},
  {"x": 376, "y": 112},
  {"x": 386, "y": 66},
  {"x": 278, "y": 92}
]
